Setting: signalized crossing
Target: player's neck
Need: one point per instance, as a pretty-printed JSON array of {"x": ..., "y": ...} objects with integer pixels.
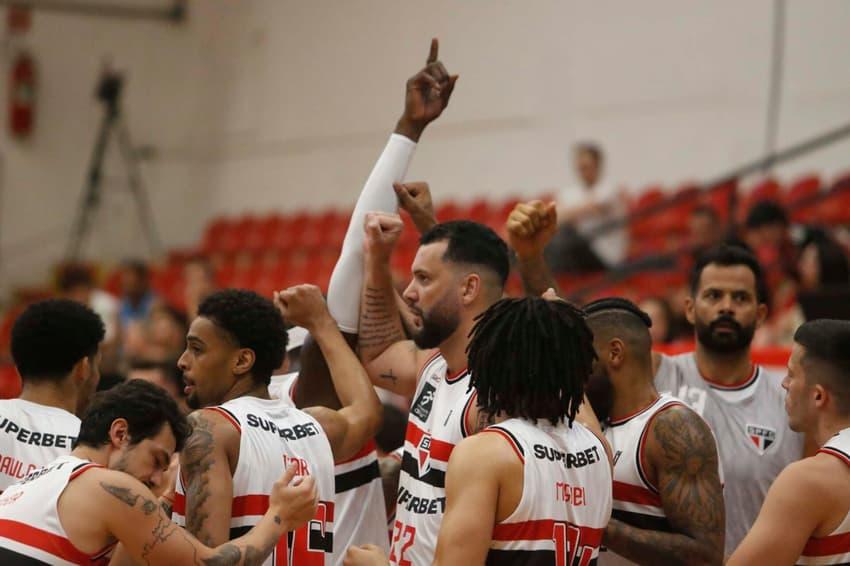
[
  {"x": 724, "y": 368},
  {"x": 453, "y": 349},
  {"x": 631, "y": 395},
  {"x": 92, "y": 454},
  {"x": 50, "y": 394},
  {"x": 828, "y": 427},
  {"x": 247, "y": 388}
]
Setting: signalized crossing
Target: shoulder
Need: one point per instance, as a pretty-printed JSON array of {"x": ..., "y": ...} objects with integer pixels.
[
  {"x": 676, "y": 415},
  {"x": 806, "y": 480},
  {"x": 678, "y": 432},
  {"x": 104, "y": 487},
  {"x": 492, "y": 445},
  {"x": 211, "y": 428}
]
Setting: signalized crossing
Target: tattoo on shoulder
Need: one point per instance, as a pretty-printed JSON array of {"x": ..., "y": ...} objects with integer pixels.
[
  {"x": 197, "y": 459},
  {"x": 129, "y": 498},
  {"x": 690, "y": 485},
  {"x": 389, "y": 376}
]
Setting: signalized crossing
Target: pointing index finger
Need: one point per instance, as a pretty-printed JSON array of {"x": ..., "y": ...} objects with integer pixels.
[{"x": 435, "y": 48}]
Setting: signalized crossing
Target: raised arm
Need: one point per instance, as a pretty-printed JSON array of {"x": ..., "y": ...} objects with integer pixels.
[
  {"x": 683, "y": 452},
  {"x": 530, "y": 227},
  {"x": 788, "y": 517},
  {"x": 207, "y": 476},
  {"x": 115, "y": 505},
  {"x": 391, "y": 360},
  {"x": 360, "y": 417}
]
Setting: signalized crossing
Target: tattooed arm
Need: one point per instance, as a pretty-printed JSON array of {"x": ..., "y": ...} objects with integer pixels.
[
  {"x": 682, "y": 453},
  {"x": 119, "y": 507},
  {"x": 391, "y": 361},
  {"x": 207, "y": 476}
]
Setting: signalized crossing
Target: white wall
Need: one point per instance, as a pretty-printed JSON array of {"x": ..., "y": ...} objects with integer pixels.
[{"x": 284, "y": 104}]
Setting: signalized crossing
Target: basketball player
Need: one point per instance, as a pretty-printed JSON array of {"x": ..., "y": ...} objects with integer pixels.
[
  {"x": 668, "y": 498},
  {"x": 56, "y": 349},
  {"x": 243, "y": 440},
  {"x": 534, "y": 488},
  {"x": 360, "y": 506},
  {"x": 125, "y": 443},
  {"x": 458, "y": 272},
  {"x": 805, "y": 518},
  {"x": 741, "y": 402}
]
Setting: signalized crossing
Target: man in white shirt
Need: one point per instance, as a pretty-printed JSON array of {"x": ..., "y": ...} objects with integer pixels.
[
  {"x": 582, "y": 210},
  {"x": 56, "y": 348}
]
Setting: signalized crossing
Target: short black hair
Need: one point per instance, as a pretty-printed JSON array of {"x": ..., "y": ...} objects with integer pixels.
[
  {"x": 706, "y": 210},
  {"x": 617, "y": 317},
  {"x": 252, "y": 322},
  {"x": 146, "y": 407},
  {"x": 51, "y": 336},
  {"x": 827, "y": 344},
  {"x": 530, "y": 358},
  {"x": 471, "y": 243},
  {"x": 765, "y": 213},
  {"x": 168, "y": 368},
  {"x": 591, "y": 148},
  {"x": 833, "y": 265},
  {"x": 74, "y": 275},
  {"x": 729, "y": 255}
]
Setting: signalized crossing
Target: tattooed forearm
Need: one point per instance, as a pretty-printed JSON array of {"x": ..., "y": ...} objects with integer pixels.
[
  {"x": 536, "y": 276},
  {"x": 128, "y": 497},
  {"x": 380, "y": 325},
  {"x": 196, "y": 460},
  {"x": 684, "y": 454}
]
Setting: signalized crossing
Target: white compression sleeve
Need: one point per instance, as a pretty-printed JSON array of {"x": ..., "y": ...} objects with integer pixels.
[{"x": 377, "y": 196}]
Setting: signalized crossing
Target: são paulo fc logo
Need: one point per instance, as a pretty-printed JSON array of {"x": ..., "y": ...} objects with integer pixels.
[
  {"x": 761, "y": 436},
  {"x": 424, "y": 455}
]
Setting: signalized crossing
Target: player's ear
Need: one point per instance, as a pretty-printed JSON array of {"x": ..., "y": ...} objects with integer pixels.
[
  {"x": 689, "y": 308},
  {"x": 244, "y": 361},
  {"x": 819, "y": 395},
  {"x": 119, "y": 432},
  {"x": 470, "y": 288},
  {"x": 616, "y": 353}
]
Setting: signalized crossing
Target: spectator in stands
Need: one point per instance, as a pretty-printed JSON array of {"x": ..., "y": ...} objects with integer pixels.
[
  {"x": 766, "y": 225},
  {"x": 162, "y": 336},
  {"x": 137, "y": 298},
  {"x": 76, "y": 282},
  {"x": 165, "y": 374},
  {"x": 582, "y": 210},
  {"x": 200, "y": 282},
  {"x": 705, "y": 230},
  {"x": 661, "y": 314}
]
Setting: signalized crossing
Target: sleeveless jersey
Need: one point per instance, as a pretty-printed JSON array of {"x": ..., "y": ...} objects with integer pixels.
[
  {"x": 31, "y": 436},
  {"x": 273, "y": 436},
  {"x": 566, "y": 496},
  {"x": 751, "y": 427},
  {"x": 360, "y": 514},
  {"x": 30, "y": 530},
  {"x": 636, "y": 499},
  {"x": 435, "y": 425},
  {"x": 835, "y": 547}
]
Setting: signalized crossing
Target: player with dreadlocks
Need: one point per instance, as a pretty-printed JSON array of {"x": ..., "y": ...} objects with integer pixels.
[
  {"x": 534, "y": 488},
  {"x": 668, "y": 500}
]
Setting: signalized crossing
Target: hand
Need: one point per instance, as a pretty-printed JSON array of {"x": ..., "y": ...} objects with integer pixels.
[
  {"x": 303, "y": 305},
  {"x": 415, "y": 198},
  {"x": 531, "y": 226},
  {"x": 382, "y": 233},
  {"x": 167, "y": 486},
  {"x": 365, "y": 555},
  {"x": 293, "y": 500},
  {"x": 428, "y": 93}
]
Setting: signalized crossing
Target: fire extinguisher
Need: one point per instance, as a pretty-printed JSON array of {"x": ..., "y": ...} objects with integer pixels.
[{"x": 22, "y": 88}]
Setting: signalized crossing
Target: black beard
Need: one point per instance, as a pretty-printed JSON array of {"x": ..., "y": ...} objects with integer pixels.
[
  {"x": 192, "y": 401},
  {"x": 435, "y": 330},
  {"x": 600, "y": 393},
  {"x": 726, "y": 343}
]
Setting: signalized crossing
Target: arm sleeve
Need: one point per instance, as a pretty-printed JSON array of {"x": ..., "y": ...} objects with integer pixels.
[{"x": 377, "y": 196}]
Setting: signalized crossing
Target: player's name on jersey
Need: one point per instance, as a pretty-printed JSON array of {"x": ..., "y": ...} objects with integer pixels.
[
  {"x": 25, "y": 436},
  {"x": 296, "y": 432},
  {"x": 569, "y": 459},
  {"x": 421, "y": 505}
]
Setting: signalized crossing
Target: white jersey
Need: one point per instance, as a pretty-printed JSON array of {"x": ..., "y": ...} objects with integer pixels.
[
  {"x": 437, "y": 422},
  {"x": 751, "y": 427},
  {"x": 32, "y": 435},
  {"x": 566, "y": 496},
  {"x": 360, "y": 514},
  {"x": 30, "y": 530},
  {"x": 273, "y": 436},
  {"x": 835, "y": 547},
  {"x": 636, "y": 500}
]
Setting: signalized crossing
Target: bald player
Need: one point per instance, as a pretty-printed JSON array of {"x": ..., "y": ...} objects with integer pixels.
[
  {"x": 668, "y": 498},
  {"x": 741, "y": 401},
  {"x": 805, "y": 518},
  {"x": 535, "y": 487}
]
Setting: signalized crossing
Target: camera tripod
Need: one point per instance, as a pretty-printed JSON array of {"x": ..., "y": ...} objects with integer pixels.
[{"x": 109, "y": 93}]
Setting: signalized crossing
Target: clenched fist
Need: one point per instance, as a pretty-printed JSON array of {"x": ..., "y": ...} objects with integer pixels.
[
  {"x": 531, "y": 226},
  {"x": 303, "y": 305}
]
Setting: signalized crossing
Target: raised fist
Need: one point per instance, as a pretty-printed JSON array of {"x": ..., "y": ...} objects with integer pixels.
[
  {"x": 531, "y": 226},
  {"x": 382, "y": 233},
  {"x": 415, "y": 198},
  {"x": 302, "y": 305}
]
